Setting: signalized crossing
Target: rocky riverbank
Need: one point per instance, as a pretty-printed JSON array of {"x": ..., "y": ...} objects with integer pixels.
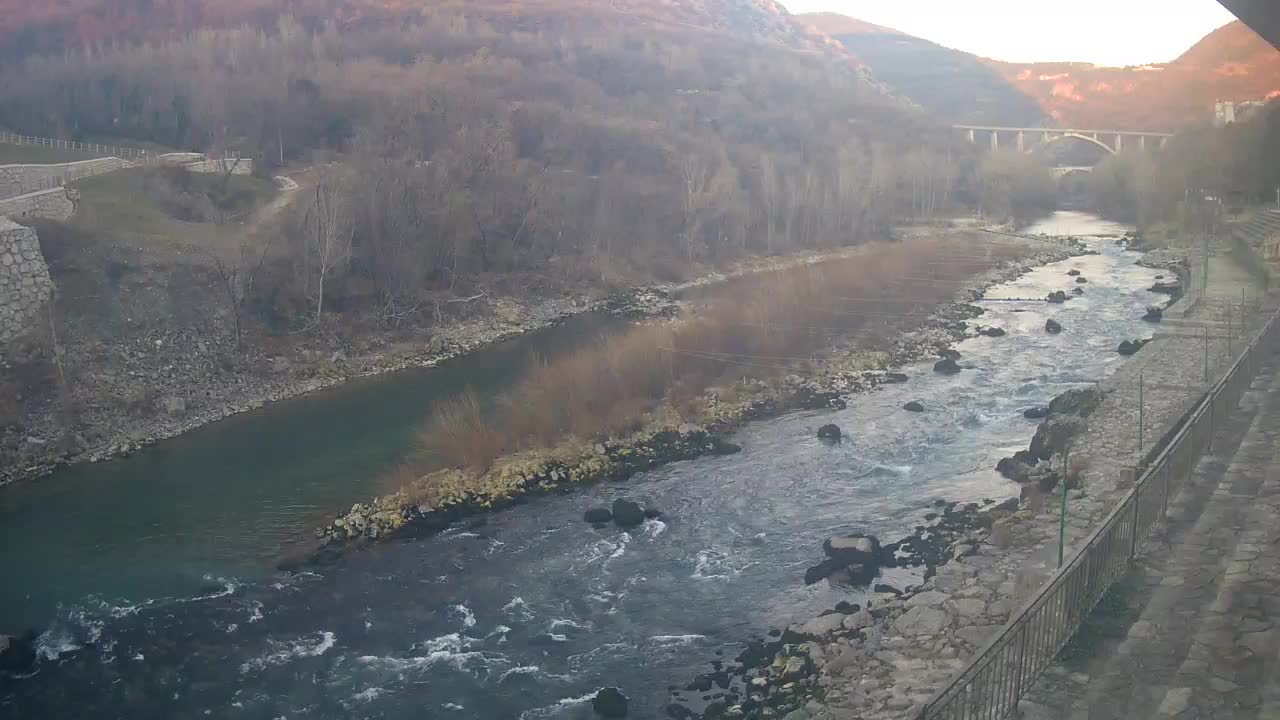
[
  {"x": 887, "y": 659},
  {"x": 162, "y": 383},
  {"x": 441, "y": 497}
]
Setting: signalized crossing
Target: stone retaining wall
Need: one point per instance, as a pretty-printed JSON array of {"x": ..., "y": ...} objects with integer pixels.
[
  {"x": 25, "y": 285},
  {"x": 237, "y": 166},
  {"x": 22, "y": 179},
  {"x": 55, "y": 204}
]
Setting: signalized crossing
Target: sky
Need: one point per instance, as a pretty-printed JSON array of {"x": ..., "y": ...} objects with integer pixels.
[{"x": 1103, "y": 32}]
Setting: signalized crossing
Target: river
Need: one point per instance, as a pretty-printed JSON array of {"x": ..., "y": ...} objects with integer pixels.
[{"x": 526, "y": 612}]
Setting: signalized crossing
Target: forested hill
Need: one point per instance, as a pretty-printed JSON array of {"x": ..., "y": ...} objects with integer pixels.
[
  {"x": 615, "y": 141},
  {"x": 953, "y": 86}
]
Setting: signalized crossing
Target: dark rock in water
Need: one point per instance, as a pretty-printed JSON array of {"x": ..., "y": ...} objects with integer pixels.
[
  {"x": 610, "y": 702},
  {"x": 1131, "y": 347},
  {"x": 1159, "y": 277},
  {"x": 913, "y": 406},
  {"x": 1082, "y": 280},
  {"x": 1053, "y": 327},
  {"x": 1057, "y": 296},
  {"x": 991, "y": 331},
  {"x": 1054, "y": 435},
  {"x": 950, "y": 354},
  {"x": 883, "y": 588},
  {"x": 1154, "y": 314},
  {"x": 1171, "y": 287},
  {"x": 18, "y": 654},
  {"x": 1077, "y": 291},
  {"x": 1009, "y": 505},
  {"x": 1015, "y": 470},
  {"x": 627, "y": 514},
  {"x": 845, "y": 607},
  {"x": 946, "y": 366},
  {"x": 1036, "y": 413},
  {"x": 652, "y": 514},
  {"x": 1025, "y": 456},
  {"x": 830, "y": 432},
  {"x": 597, "y": 515},
  {"x": 701, "y": 683},
  {"x": 1081, "y": 401},
  {"x": 680, "y": 712},
  {"x": 851, "y": 560},
  {"x": 895, "y": 378},
  {"x": 857, "y": 548},
  {"x": 1073, "y": 273}
]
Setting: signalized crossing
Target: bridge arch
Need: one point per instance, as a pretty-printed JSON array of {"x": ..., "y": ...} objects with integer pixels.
[{"x": 1073, "y": 136}]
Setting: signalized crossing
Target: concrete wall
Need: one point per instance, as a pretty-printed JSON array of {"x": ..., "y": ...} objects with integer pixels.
[
  {"x": 55, "y": 204},
  {"x": 23, "y": 179},
  {"x": 25, "y": 285},
  {"x": 237, "y": 166}
]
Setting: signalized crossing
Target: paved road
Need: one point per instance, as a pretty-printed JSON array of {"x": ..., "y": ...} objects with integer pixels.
[{"x": 1195, "y": 635}]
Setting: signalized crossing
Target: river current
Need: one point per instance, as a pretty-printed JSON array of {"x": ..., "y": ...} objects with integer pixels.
[{"x": 524, "y": 613}]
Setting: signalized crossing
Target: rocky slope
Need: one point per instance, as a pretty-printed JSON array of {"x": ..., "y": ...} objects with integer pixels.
[{"x": 1231, "y": 64}]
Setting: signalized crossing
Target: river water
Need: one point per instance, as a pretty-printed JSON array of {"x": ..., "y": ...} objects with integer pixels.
[{"x": 524, "y": 614}]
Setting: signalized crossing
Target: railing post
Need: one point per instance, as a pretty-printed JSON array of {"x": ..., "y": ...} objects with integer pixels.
[{"x": 1133, "y": 540}]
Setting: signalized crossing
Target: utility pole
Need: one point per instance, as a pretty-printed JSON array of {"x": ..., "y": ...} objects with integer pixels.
[{"x": 1062, "y": 517}]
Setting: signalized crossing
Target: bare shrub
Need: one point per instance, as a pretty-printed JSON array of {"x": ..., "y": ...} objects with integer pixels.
[{"x": 760, "y": 326}]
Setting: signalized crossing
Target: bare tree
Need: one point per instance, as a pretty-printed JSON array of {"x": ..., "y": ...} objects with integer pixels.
[
  {"x": 331, "y": 218},
  {"x": 236, "y": 275}
]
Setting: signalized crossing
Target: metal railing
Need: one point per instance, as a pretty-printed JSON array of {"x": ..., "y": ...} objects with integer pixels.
[
  {"x": 120, "y": 151},
  {"x": 997, "y": 677}
]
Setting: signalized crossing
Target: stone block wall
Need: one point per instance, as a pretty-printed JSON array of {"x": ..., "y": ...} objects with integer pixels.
[
  {"x": 55, "y": 204},
  {"x": 237, "y": 166},
  {"x": 22, "y": 179},
  {"x": 25, "y": 285}
]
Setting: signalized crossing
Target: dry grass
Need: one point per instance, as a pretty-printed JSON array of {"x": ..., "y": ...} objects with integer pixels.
[{"x": 760, "y": 326}]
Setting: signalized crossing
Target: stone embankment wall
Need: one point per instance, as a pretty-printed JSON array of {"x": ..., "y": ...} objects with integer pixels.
[
  {"x": 55, "y": 204},
  {"x": 25, "y": 285},
  {"x": 22, "y": 179},
  {"x": 236, "y": 166}
]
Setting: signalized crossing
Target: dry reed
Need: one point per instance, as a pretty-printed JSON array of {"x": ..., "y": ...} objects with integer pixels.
[{"x": 760, "y": 326}]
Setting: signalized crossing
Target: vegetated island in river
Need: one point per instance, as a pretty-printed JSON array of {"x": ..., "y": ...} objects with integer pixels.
[{"x": 793, "y": 339}]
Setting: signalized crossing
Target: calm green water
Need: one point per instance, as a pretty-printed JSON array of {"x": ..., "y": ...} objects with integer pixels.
[{"x": 227, "y": 500}]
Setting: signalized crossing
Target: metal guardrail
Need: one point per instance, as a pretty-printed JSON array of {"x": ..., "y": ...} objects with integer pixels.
[{"x": 997, "y": 677}]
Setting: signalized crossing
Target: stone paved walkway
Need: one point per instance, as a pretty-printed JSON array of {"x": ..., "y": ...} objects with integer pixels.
[{"x": 1201, "y": 638}]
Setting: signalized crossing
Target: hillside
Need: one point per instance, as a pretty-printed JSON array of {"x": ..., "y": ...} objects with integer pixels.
[
  {"x": 1231, "y": 63},
  {"x": 953, "y": 86}
]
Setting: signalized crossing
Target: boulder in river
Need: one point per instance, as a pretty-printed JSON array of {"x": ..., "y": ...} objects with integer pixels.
[
  {"x": 1015, "y": 470},
  {"x": 913, "y": 406},
  {"x": 1080, "y": 401},
  {"x": 950, "y": 354},
  {"x": 18, "y": 654},
  {"x": 1073, "y": 273},
  {"x": 1082, "y": 280},
  {"x": 1130, "y": 347},
  {"x": 627, "y": 514},
  {"x": 895, "y": 378},
  {"x": 596, "y": 516},
  {"x": 830, "y": 432},
  {"x": 1038, "y": 412},
  {"x": 1154, "y": 314},
  {"x": 857, "y": 548},
  {"x": 946, "y": 366},
  {"x": 610, "y": 703},
  {"x": 1077, "y": 291},
  {"x": 991, "y": 331},
  {"x": 1053, "y": 327},
  {"x": 1057, "y": 296}
]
